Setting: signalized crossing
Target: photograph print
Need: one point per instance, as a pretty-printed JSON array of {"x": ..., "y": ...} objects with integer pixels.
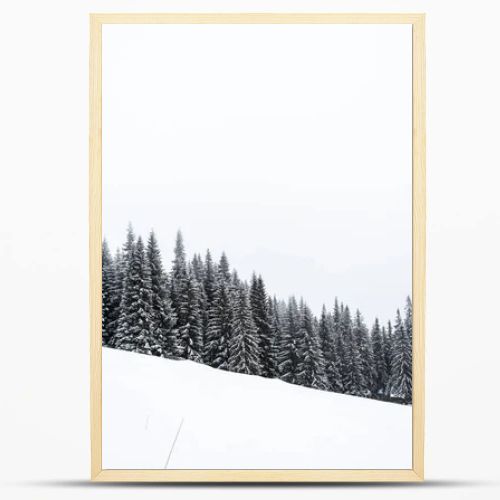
[{"x": 257, "y": 246}]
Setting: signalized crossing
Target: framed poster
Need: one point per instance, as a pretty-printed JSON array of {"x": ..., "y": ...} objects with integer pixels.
[{"x": 257, "y": 247}]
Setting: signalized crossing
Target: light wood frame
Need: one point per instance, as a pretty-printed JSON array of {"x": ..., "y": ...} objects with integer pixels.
[{"x": 416, "y": 473}]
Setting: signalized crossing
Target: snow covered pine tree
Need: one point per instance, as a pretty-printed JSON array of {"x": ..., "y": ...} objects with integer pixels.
[{"x": 134, "y": 332}]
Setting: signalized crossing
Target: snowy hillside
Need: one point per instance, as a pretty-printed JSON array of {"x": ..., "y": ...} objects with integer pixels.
[{"x": 160, "y": 413}]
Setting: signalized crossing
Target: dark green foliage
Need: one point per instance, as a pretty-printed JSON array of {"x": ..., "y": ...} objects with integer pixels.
[
  {"x": 190, "y": 344},
  {"x": 288, "y": 350},
  {"x": 363, "y": 357},
  {"x": 110, "y": 306},
  {"x": 120, "y": 264},
  {"x": 179, "y": 274},
  {"x": 349, "y": 353},
  {"x": 388, "y": 340},
  {"x": 209, "y": 288},
  {"x": 380, "y": 368},
  {"x": 134, "y": 332},
  {"x": 186, "y": 297},
  {"x": 276, "y": 321},
  {"x": 220, "y": 317},
  {"x": 260, "y": 313},
  {"x": 243, "y": 342},
  {"x": 164, "y": 335},
  {"x": 401, "y": 370},
  {"x": 129, "y": 245},
  {"x": 326, "y": 332},
  {"x": 198, "y": 268},
  {"x": 209, "y": 279},
  {"x": 223, "y": 270},
  {"x": 338, "y": 341},
  {"x": 310, "y": 370},
  {"x": 409, "y": 319}
]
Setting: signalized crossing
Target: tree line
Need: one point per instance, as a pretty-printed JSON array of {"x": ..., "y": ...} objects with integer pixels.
[{"x": 202, "y": 311}]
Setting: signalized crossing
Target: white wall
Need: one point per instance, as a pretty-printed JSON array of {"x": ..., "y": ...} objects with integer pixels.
[{"x": 43, "y": 234}]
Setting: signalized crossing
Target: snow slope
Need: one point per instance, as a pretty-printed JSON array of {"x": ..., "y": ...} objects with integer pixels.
[{"x": 230, "y": 421}]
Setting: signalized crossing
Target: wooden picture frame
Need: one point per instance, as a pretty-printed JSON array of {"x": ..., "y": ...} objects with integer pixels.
[{"x": 416, "y": 473}]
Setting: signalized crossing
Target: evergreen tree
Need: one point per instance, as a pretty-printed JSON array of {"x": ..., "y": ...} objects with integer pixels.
[
  {"x": 223, "y": 270},
  {"x": 349, "y": 367},
  {"x": 276, "y": 322},
  {"x": 234, "y": 286},
  {"x": 388, "y": 349},
  {"x": 324, "y": 332},
  {"x": 260, "y": 313},
  {"x": 401, "y": 374},
  {"x": 311, "y": 365},
  {"x": 338, "y": 340},
  {"x": 164, "y": 335},
  {"x": 408, "y": 324},
  {"x": 243, "y": 342},
  {"x": 128, "y": 247},
  {"x": 362, "y": 357},
  {"x": 178, "y": 290},
  {"x": 190, "y": 320},
  {"x": 209, "y": 279},
  {"x": 220, "y": 317},
  {"x": 108, "y": 302},
  {"x": 380, "y": 375},
  {"x": 121, "y": 264},
  {"x": 115, "y": 290},
  {"x": 179, "y": 273},
  {"x": 134, "y": 332},
  {"x": 126, "y": 253},
  {"x": 409, "y": 319},
  {"x": 288, "y": 349},
  {"x": 198, "y": 269},
  {"x": 333, "y": 377}
]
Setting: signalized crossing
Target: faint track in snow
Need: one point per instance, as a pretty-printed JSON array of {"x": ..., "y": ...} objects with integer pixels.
[{"x": 173, "y": 444}]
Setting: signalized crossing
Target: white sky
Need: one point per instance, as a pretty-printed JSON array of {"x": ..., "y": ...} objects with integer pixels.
[{"x": 287, "y": 146}]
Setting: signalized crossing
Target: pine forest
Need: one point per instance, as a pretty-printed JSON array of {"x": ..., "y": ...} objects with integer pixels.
[{"x": 201, "y": 310}]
